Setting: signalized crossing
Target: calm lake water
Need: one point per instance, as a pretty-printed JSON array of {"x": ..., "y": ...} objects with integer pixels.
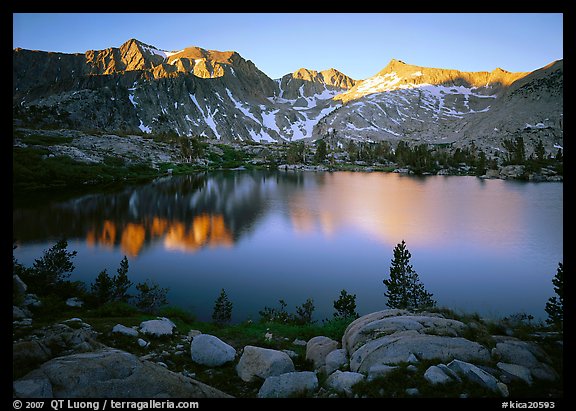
[{"x": 489, "y": 246}]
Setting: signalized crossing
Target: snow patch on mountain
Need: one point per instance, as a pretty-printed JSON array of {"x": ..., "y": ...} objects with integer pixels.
[{"x": 241, "y": 107}]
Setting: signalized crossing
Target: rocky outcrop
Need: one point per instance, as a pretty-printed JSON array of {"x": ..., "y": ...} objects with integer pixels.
[
  {"x": 19, "y": 286},
  {"x": 380, "y": 370},
  {"x": 477, "y": 375},
  {"x": 526, "y": 354},
  {"x": 287, "y": 385},
  {"x": 66, "y": 360},
  {"x": 211, "y": 351},
  {"x": 257, "y": 362},
  {"x": 436, "y": 375},
  {"x": 335, "y": 360},
  {"x": 108, "y": 373},
  {"x": 516, "y": 371},
  {"x": 343, "y": 381},
  {"x": 52, "y": 341},
  {"x": 394, "y": 336},
  {"x": 318, "y": 348}
]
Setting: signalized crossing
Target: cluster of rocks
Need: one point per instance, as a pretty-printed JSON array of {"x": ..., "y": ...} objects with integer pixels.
[
  {"x": 21, "y": 313},
  {"x": 67, "y": 360},
  {"x": 519, "y": 172}
]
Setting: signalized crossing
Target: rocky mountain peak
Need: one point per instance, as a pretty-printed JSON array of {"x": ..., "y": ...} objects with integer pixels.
[
  {"x": 198, "y": 53},
  {"x": 218, "y": 94}
]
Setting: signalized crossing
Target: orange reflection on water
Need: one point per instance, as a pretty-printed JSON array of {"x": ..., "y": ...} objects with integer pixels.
[
  {"x": 133, "y": 236},
  {"x": 204, "y": 230},
  {"x": 391, "y": 207}
]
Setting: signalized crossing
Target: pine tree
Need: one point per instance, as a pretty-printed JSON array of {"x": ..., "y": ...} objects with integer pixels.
[
  {"x": 321, "y": 152},
  {"x": 103, "y": 288},
  {"x": 222, "y": 309},
  {"x": 53, "y": 269},
  {"x": 345, "y": 306},
  {"x": 121, "y": 282},
  {"x": 555, "y": 305},
  {"x": 150, "y": 296},
  {"x": 304, "y": 312},
  {"x": 405, "y": 290}
]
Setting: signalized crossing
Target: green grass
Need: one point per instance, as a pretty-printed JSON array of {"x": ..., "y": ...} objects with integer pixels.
[
  {"x": 35, "y": 139},
  {"x": 31, "y": 170}
]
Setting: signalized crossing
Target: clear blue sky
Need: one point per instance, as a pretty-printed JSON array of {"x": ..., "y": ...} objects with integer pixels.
[{"x": 358, "y": 44}]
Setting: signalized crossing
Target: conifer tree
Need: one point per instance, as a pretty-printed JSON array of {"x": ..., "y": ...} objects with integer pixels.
[
  {"x": 555, "y": 305},
  {"x": 405, "y": 290},
  {"x": 121, "y": 282},
  {"x": 222, "y": 309},
  {"x": 103, "y": 288},
  {"x": 345, "y": 305}
]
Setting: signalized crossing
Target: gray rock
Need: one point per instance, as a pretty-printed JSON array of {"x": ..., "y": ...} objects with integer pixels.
[
  {"x": 396, "y": 336},
  {"x": 142, "y": 343},
  {"x": 379, "y": 370},
  {"x": 289, "y": 385},
  {"x": 122, "y": 329},
  {"x": 411, "y": 368},
  {"x": 388, "y": 322},
  {"x": 511, "y": 171},
  {"x": 257, "y": 362},
  {"x": 527, "y": 354},
  {"x": 413, "y": 392},
  {"x": 31, "y": 300},
  {"x": 209, "y": 350},
  {"x": 19, "y": 285},
  {"x": 159, "y": 327},
  {"x": 435, "y": 375},
  {"x": 343, "y": 381},
  {"x": 318, "y": 348},
  {"x": 544, "y": 372},
  {"x": 299, "y": 342},
  {"x": 503, "y": 389},
  {"x": 517, "y": 371},
  {"x": 412, "y": 359},
  {"x": 291, "y": 354},
  {"x": 194, "y": 333},
  {"x": 25, "y": 322},
  {"x": 449, "y": 372},
  {"x": 355, "y": 328},
  {"x": 40, "y": 388},
  {"x": 491, "y": 174},
  {"x": 48, "y": 342},
  {"x": 110, "y": 373},
  {"x": 399, "y": 347},
  {"x": 515, "y": 351},
  {"x": 475, "y": 374},
  {"x": 74, "y": 302},
  {"x": 335, "y": 360},
  {"x": 30, "y": 352},
  {"x": 18, "y": 313},
  {"x": 76, "y": 320}
]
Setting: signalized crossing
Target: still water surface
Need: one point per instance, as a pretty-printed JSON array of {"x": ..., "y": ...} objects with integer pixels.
[{"x": 487, "y": 246}]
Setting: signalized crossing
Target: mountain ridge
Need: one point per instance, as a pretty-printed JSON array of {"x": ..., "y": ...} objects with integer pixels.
[{"x": 218, "y": 94}]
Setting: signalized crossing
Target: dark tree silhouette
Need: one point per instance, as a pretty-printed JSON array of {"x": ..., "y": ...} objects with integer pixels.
[{"x": 404, "y": 287}]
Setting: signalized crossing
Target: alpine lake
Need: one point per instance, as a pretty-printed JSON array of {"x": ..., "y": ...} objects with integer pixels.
[{"x": 486, "y": 246}]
